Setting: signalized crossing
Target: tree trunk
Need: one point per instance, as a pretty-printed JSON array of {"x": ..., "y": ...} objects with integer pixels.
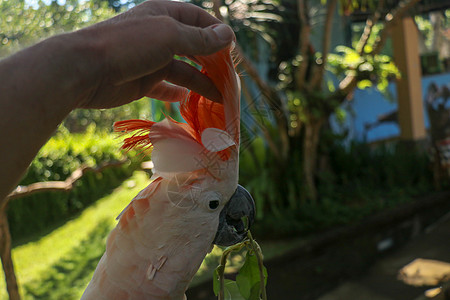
[
  {"x": 310, "y": 146},
  {"x": 5, "y": 254}
]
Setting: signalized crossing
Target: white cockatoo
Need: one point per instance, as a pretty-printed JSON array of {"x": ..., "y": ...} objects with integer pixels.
[{"x": 193, "y": 201}]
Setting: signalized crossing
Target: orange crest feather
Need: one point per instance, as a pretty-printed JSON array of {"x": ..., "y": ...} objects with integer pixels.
[{"x": 199, "y": 112}]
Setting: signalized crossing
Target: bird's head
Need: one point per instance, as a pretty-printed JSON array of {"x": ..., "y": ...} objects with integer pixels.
[{"x": 200, "y": 158}]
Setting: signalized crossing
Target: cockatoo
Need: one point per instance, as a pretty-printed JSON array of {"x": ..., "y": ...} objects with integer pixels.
[{"x": 193, "y": 202}]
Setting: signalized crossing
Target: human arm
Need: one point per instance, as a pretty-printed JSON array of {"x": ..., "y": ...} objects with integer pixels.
[{"x": 102, "y": 66}]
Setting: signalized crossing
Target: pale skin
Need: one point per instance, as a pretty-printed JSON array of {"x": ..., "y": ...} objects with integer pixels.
[{"x": 106, "y": 65}]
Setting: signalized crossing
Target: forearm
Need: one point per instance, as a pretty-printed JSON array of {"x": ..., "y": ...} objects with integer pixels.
[{"x": 39, "y": 87}]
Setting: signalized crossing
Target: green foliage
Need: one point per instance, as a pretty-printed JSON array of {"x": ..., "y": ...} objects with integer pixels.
[
  {"x": 103, "y": 119},
  {"x": 384, "y": 167},
  {"x": 251, "y": 279},
  {"x": 62, "y": 155},
  {"x": 248, "y": 18},
  {"x": 256, "y": 174},
  {"x": 23, "y": 25},
  {"x": 426, "y": 30},
  {"x": 357, "y": 181},
  {"x": 248, "y": 280},
  {"x": 65, "y": 152},
  {"x": 357, "y": 31},
  {"x": 369, "y": 69},
  {"x": 306, "y": 104}
]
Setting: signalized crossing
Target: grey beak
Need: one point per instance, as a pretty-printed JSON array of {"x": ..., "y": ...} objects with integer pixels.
[{"x": 231, "y": 227}]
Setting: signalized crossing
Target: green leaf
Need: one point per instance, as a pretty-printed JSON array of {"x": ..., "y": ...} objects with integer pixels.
[
  {"x": 345, "y": 49},
  {"x": 341, "y": 115},
  {"x": 382, "y": 85},
  {"x": 331, "y": 86},
  {"x": 364, "y": 84},
  {"x": 352, "y": 58},
  {"x": 232, "y": 291},
  {"x": 216, "y": 281},
  {"x": 248, "y": 279},
  {"x": 368, "y": 49}
]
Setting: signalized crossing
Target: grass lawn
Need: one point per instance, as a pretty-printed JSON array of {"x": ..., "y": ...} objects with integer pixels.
[{"x": 60, "y": 264}]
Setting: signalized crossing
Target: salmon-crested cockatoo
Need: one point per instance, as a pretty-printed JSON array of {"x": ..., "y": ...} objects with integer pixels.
[{"x": 193, "y": 202}]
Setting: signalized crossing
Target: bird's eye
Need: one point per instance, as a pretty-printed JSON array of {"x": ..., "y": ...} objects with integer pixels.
[{"x": 213, "y": 204}]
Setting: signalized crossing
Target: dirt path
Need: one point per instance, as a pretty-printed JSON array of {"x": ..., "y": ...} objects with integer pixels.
[
  {"x": 405, "y": 273},
  {"x": 360, "y": 261}
]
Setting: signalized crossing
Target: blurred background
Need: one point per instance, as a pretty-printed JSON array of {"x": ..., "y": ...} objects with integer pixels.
[{"x": 345, "y": 149}]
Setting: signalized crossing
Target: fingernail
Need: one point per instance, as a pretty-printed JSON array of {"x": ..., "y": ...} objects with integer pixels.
[{"x": 223, "y": 32}]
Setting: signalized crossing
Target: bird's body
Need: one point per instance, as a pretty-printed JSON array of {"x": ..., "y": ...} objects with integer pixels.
[
  {"x": 168, "y": 228},
  {"x": 153, "y": 253}
]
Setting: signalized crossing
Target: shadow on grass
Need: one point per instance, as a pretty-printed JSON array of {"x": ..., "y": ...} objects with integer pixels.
[
  {"x": 69, "y": 276},
  {"x": 37, "y": 233}
]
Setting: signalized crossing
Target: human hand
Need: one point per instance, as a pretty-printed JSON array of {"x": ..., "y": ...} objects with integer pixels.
[{"x": 132, "y": 54}]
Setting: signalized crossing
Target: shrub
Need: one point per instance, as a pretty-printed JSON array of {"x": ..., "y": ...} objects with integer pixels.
[
  {"x": 386, "y": 167},
  {"x": 353, "y": 182},
  {"x": 63, "y": 154}
]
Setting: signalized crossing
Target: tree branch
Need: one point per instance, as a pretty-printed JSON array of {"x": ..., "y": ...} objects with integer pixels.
[
  {"x": 368, "y": 28},
  {"x": 331, "y": 8},
  {"x": 350, "y": 81},
  {"x": 390, "y": 20},
  {"x": 65, "y": 185},
  {"x": 216, "y": 9},
  {"x": 6, "y": 258}
]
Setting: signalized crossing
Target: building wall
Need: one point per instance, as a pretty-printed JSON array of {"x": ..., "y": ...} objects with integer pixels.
[{"x": 368, "y": 104}]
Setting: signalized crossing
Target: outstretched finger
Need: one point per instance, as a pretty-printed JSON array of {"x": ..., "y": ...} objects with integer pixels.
[{"x": 182, "y": 74}]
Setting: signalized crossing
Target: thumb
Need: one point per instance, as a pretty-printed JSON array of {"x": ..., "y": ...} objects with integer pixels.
[{"x": 203, "y": 41}]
